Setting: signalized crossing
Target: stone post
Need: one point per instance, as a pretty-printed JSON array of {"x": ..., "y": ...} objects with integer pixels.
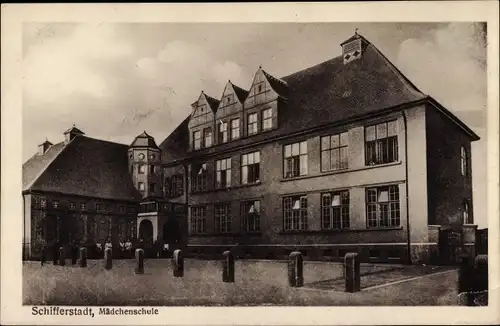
[
  {"x": 465, "y": 281},
  {"x": 139, "y": 261},
  {"x": 228, "y": 267},
  {"x": 108, "y": 258},
  {"x": 83, "y": 257},
  {"x": 295, "y": 269},
  {"x": 352, "y": 272},
  {"x": 62, "y": 257},
  {"x": 481, "y": 273},
  {"x": 178, "y": 263},
  {"x": 469, "y": 240}
]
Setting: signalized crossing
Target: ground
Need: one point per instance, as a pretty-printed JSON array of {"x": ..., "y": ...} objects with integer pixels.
[{"x": 256, "y": 283}]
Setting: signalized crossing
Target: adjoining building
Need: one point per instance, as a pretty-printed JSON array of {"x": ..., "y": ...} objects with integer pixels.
[{"x": 347, "y": 155}]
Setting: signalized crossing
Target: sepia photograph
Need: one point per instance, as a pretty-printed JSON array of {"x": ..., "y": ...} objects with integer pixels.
[{"x": 253, "y": 164}]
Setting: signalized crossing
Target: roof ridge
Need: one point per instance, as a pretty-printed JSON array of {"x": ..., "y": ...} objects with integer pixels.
[
  {"x": 275, "y": 78},
  {"x": 42, "y": 171},
  {"x": 406, "y": 81},
  {"x": 104, "y": 141}
]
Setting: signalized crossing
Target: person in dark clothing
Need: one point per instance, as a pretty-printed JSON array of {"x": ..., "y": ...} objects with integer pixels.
[
  {"x": 74, "y": 253},
  {"x": 55, "y": 252},
  {"x": 43, "y": 256}
]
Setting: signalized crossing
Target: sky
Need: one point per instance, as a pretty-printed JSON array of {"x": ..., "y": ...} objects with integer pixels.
[{"x": 116, "y": 80}]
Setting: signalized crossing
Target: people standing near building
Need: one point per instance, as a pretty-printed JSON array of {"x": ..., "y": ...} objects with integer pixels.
[{"x": 43, "y": 254}]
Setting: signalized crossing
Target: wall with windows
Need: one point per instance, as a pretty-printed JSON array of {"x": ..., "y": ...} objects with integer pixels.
[
  {"x": 449, "y": 172},
  {"x": 229, "y": 117},
  {"x": 174, "y": 183},
  {"x": 146, "y": 171},
  {"x": 201, "y": 125},
  {"x": 74, "y": 218},
  {"x": 317, "y": 188}
]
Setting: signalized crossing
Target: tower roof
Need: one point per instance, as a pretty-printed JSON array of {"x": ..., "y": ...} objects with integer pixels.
[{"x": 144, "y": 140}]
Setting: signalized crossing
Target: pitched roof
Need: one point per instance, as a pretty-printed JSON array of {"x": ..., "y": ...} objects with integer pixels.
[
  {"x": 213, "y": 102},
  {"x": 85, "y": 167},
  {"x": 240, "y": 92},
  {"x": 279, "y": 85},
  {"x": 144, "y": 140},
  {"x": 74, "y": 130},
  {"x": 328, "y": 93}
]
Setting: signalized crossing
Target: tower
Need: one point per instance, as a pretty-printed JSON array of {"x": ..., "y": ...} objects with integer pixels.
[{"x": 144, "y": 159}]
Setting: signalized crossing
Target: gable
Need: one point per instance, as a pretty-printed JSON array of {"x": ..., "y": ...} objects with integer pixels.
[
  {"x": 202, "y": 112},
  {"x": 261, "y": 91},
  {"x": 230, "y": 102}
]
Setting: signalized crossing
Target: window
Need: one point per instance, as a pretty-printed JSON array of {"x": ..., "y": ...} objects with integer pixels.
[
  {"x": 467, "y": 218},
  {"x": 335, "y": 210},
  {"x": 235, "y": 129},
  {"x": 121, "y": 209},
  {"x": 295, "y": 213},
  {"x": 252, "y": 124},
  {"x": 199, "y": 177},
  {"x": 382, "y": 207},
  {"x": 151, "y": 187},
  {"x": 197, "y": 139},
  {"x": 83, "y": 207},
  {"x": 223, "y": 173},
  {"x": 250, "y": 168},
  {"x": 131, "y": 229},
  {"x": 295, "y": 160},
  {"x": 142, "y": 169},
  {"x": 222, "y": 132},
  {"x": 98, "y": 207},
  {"x": 222, "y": 218},
  {"x": 55, "y": 203},
  {"x": 174, "y": 186},
  {"x": 334, "y": 152},
  {"x": 463, "y": 160},
  {"x": 71, "y": 206},
  {"x": 152, "y": 169},
  {"x": 207, "y": 137},
  {"x": 228, "y": 99},
  {"x": 381, "y": 143},
  {"x": 250, "y": 216},
  {"x": 43, "y": 203},
  {"x": 259, "y": 88},
  {"x": 267, "y": 119},
  {"x": 141, "y": 186},
  {"x": 198, "y": 221}
]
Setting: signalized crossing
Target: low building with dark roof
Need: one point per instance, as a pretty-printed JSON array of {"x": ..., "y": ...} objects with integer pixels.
[{"x": 344, "y": 156}]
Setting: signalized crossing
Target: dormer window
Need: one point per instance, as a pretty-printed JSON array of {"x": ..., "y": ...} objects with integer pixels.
[
  {"x": 252, "y": 124},
  {"x": 267, "y": 119},
  {"x": 207, "y": 136},
  {"x": 352, "y": 49},
  {"x": 197, "y": 140},
  {"x": 222, "y": 132}
]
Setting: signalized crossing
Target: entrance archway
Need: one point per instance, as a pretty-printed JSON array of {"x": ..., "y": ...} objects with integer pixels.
[{"x": 146, "y": 231}]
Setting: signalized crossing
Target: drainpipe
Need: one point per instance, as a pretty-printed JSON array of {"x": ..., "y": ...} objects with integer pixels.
[{"x": 407, "y": 189}]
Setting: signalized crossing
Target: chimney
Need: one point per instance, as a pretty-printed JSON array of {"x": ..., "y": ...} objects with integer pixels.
[{"x": 43, "y": 147}]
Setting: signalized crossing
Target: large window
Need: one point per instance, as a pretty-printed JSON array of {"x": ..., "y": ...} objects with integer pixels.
[
  {"x": 198, "y": 220},
  {"x": 335, "y": 210},
  {"x": 235, "y": 129},
  {"x": 222, "y": 218},
  {"x": 223, "y": 173},
  {"x": 250, "y": 168},
  {"x": 199, "y": 177},
  {"x": 267, "y": 119},
  {"x": 295, "y": 213},
  {"x": 197, "y": 139},
  {"x": 174, "y": 186},
  {"x": 250, "y": 216},
  {"x": 381, "y": 143},
  {"x": 141, "y": 186},
  {"x": 295, "y": 160},
  {"x": 334, "y": 152},
  {"x": 467, "y": 217},
  {"x": 222, "y": 132},
  {"x": 142, "y": 168},
  {"x": 207, "y": 137},
  {"x": 382, "y": 207},
  {"x": 463, "y": 160},
  {"x": 253, "y": 123}
]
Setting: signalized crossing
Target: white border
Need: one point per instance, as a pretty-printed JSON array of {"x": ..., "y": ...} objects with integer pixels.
[{"x": 14, "y": 14}]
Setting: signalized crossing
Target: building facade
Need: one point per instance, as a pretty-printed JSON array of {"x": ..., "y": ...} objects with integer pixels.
[{"x": 347, "y": 155}]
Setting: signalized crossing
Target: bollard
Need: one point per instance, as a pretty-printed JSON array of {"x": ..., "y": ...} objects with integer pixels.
[
  {"x": 481, "y": 273},
  {"x": 352, "y": 272},
  {"x": 83, "y": 257},
  {"x": 465, "y": 281},
  {"x": 62, "y": 258},
  {"x": 228, "y": 267},
  {"x": 295, "y": 269},
  {"x": 108, "y": 258},
  {"x": 139, "y": 259},
  {"x": 178, "y": 263}
]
